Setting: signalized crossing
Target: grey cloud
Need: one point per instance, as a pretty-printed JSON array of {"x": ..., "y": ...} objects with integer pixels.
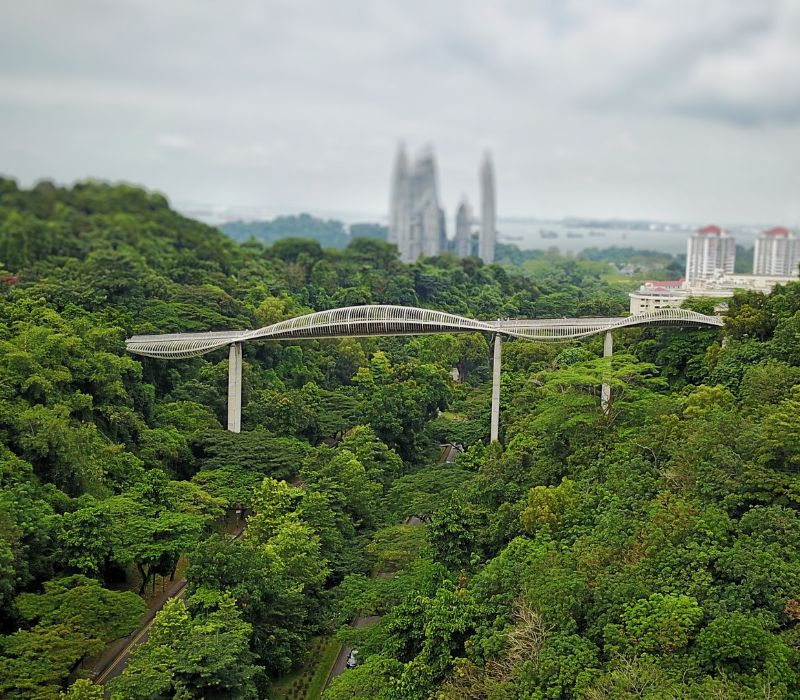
[{"x": 300, "y": 102}]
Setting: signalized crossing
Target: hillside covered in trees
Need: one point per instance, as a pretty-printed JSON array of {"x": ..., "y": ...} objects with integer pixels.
[
  {"x": 327, "y": 232},
  {"x": 650, "y": 551}
]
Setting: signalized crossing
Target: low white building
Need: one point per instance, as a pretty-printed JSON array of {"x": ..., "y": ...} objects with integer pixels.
[
  {"x": 655, "y": 294},
  {"x": 727, "y": 283},
  {"x": 671, "y": 294}
]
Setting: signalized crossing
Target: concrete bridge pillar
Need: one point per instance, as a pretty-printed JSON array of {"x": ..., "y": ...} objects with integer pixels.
[
  {"x": 608, "y": 351},
  {"x": 498, "y": 350},
  {"x": 235, "y": 388}
]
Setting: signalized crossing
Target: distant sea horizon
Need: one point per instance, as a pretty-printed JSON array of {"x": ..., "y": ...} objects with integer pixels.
[{"x": 568, "y": 234}]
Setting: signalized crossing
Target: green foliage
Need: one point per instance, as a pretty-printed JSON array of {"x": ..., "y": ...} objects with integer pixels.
[
  {"x": 400, "y": 399},
  {"x": 662, "y": 623},
  {"x": 329, "y": 234},
  {"x": 72, "y": 619},
  {"x": 345, "y": 480},
  {"x": 452, "y": 533},
  {"x": 82, "y": 604},
  {"x": 645, "y": 549},
  {"x": 155, "y": 523},
  {"x": 202, "y": 655},
  {"x": 86, "y": 539},
  {"x": 272, "y": 503},
  {"x": 255, "y": 580},
  {"x": 397, "y": 546},
  {"x": 421, "y": 493},
  {"x": 375, "y": 678},
  {"x": 547, "y": 506},
  {"x": 275, "y": 575},
  {"x": 83, "y": 690},
  {"x": 380, "y": 463},
  {"x": 256, "y": 451},
  {"x": 739, "y": 643}
]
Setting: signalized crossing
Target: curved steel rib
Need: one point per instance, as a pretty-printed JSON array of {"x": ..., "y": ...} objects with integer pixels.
[{"x": 379, "y": 320}]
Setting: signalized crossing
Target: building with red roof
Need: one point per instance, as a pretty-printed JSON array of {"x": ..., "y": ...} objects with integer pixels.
[{"x": 778, "y": 231}]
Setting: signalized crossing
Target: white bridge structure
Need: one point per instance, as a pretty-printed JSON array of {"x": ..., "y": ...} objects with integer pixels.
[{"x": 380, "y": 320}]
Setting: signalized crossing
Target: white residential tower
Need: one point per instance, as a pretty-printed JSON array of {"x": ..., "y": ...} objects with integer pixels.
[
  {"x": 711, "y": 251},
  {"x": 777, "y": 252}
]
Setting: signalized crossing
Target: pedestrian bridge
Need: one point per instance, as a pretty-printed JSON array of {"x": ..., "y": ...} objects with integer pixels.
[
  {"x": 361, "y": 321},
  {"x": 378, "y": 320}
]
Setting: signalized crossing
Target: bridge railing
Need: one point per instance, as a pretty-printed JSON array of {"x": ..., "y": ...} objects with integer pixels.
[{"x": 378, "y": 320}]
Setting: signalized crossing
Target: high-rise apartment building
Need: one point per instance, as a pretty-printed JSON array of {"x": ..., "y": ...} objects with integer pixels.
[
  {"x": 488, "y": 231},
  {"x": 709, "y": 252},
  {"x": 777, "y": 252}
]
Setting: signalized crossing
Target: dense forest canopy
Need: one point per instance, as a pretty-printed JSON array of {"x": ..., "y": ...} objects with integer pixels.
[
  {"x": 648, "y": 551},
  {"x": 328, "y": 233}
]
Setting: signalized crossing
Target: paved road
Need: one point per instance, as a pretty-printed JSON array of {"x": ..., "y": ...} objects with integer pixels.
[
  {"x": 344, "y": 653},
  {"x": 341, "y": 661},
  {"x": 113, "y": 666},
  {"x": 115, "y": 660}
]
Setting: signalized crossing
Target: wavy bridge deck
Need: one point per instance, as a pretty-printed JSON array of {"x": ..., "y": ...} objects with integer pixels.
[{"x": 379, "y": 320}]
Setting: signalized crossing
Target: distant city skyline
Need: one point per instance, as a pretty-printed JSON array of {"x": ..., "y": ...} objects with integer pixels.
[
  {"x": 417, "y": 219},
  {"x": 643, "y": 109}
]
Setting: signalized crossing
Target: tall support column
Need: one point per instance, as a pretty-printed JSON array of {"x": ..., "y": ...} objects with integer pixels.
[
  {"x": 235, "y": 388},
  {"x": 498, "y": 350},
  {"x": 608, "y": 351}
]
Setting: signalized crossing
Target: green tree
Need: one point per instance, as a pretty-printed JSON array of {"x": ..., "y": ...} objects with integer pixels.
[
  {"x": 662, "y": 623},
  {"x": 454, "y": 532},
  {"x": 547, "y": 506},
  {"x": 83, "y": 689},
  {"x": 85, "y": 539},
  {"x": 206, "y": 655},
  {"x": 738, "y": 643},
  {"x": 74, "y": 618}
]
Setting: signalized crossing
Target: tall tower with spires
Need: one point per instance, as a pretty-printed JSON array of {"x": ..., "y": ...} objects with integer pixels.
[
  {"x": 488, "y": 231},
  {"x": 416, "y": 219},
  {"x": 399, "y": 230},
  {"x": 463, "y": 229}
]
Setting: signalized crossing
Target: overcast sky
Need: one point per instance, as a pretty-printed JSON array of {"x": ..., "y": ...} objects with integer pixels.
[{"x": 666, "y": 109}]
